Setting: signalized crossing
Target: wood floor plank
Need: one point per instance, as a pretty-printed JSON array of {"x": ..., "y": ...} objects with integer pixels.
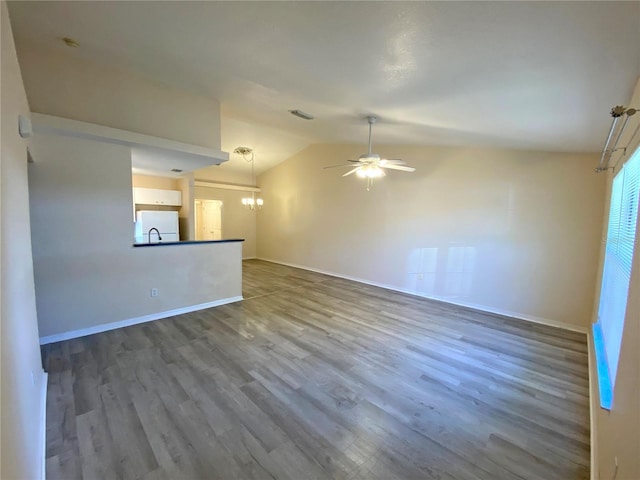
[
  {"x": 316, "y": 377},
  {"x": 131, "y": 445},
  {"x": 327, "y": 455},
  {"x": 96, "y": 447}
]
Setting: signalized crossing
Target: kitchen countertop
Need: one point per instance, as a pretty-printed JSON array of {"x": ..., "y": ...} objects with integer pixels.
[{"x": 187, "y": 242}]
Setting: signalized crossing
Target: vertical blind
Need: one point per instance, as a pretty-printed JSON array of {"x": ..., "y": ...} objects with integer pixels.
[{"x": 621, "y": 234}]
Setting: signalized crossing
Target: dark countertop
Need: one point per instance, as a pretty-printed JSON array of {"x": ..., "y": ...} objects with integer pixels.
[{"x": 187, "y": 242}]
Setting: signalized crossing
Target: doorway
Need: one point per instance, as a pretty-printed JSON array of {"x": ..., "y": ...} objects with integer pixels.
[{"x": 208, "y": 219}]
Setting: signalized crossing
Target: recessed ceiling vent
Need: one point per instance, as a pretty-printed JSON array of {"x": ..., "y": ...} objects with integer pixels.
[
  {"x": 70, "y": 42},
  {"x": 176, "y": 170},
  {"x": 301, "y": 114}
]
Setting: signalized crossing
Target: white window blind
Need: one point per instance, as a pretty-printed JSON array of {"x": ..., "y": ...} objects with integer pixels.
[{"x": 621, "y": 234}]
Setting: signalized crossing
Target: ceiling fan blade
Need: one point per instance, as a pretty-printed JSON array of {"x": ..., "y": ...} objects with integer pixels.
[
  {"x": 351, "y": 171},
  {"x": 398, "y": 167},
  {"x": 337, "y": 166},
  {"x": 392, "y": 161}
]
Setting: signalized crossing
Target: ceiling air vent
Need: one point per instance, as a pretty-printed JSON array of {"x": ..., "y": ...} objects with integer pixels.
[{"x": 301, "y": 114}]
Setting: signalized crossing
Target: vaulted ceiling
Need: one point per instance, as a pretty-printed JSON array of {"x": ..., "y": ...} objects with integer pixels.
[{"x": 530, "y": 75}]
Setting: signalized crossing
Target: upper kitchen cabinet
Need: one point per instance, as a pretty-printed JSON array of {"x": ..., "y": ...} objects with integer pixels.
[{"x": 154, "y": 196}]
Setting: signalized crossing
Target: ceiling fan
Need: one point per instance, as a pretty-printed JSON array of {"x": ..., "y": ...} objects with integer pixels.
[{"x": 370, "y": 165}]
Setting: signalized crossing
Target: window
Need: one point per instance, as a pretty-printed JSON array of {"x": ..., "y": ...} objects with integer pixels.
[{"x": 616, "y": 275}]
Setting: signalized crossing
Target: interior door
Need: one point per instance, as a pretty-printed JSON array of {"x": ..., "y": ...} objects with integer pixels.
[{"x": 208, "y": 219}]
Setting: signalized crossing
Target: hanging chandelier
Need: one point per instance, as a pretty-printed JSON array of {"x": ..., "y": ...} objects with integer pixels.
[{"x": 250, "y": 203}]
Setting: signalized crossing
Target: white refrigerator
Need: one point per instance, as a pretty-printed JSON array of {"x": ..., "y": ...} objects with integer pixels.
[{"x": 165, "y": 222}]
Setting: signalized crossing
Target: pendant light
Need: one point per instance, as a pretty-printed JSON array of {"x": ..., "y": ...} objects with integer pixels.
[{"x": 250, "y": 203}]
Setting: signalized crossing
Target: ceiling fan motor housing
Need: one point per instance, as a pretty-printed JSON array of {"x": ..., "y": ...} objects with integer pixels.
[{"x": 369, "y": 157}]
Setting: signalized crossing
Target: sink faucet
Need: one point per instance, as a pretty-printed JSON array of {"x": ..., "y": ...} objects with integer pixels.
[{"x": 157, "y": 231}]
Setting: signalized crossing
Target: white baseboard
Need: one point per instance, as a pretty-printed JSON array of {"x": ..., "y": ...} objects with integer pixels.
[
  {"x": 83, "y": 332},
  {"x": 475, "y": 306},
  {"x": 43, "y": 422},
  {"x": 593, "y": 407}
]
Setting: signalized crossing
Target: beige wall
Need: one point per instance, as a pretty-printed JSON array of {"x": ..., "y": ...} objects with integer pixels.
[
  {"x": 509, "y": 231},
  {"x": 618, "y": 430},
  {"x": 224, "y": 174},
  {"x": 161, "y": 183},
  {"x": 63, "y": 85},
  {"x": 237, "y": 221},
  {"x": 22, "y": 378},
  {"x": 86, "y": 271}
]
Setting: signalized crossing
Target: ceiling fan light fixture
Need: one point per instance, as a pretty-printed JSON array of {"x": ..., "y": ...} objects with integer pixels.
[
  {"x": 370, "y": 166},
  {"x": 370, "y": 171}
]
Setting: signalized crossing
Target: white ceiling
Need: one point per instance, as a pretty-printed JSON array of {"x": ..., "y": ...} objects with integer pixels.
[{"x": 531, "y": 75}]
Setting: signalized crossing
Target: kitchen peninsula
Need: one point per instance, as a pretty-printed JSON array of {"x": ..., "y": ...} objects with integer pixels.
[{"x": 89, "y": 276}]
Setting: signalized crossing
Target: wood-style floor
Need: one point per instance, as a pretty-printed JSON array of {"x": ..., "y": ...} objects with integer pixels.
[{"x": 314, "y": 377}]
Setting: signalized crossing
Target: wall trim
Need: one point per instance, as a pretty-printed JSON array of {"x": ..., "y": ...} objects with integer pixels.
[
  {"x": 43, "y": 422},
  {"x": 475, "y": 306},
  {"x": 593, "y": 408},
  {"x": 225, "y": 186},
  {"x": 83, "y": 332}
]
